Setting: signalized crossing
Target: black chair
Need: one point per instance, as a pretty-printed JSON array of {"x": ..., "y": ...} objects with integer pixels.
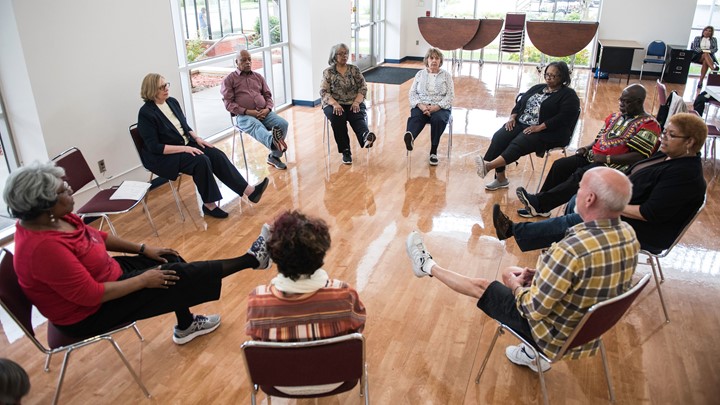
[
  {"x": 16, "y": 304},
  {"x": 139, "y": 145},
  {"x": 598, "y": 319},
  {"x": 546, "y": 154}
]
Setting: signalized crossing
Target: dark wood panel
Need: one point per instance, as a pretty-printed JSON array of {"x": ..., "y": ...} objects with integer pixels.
[
  {"x": 447, "y": 33},
  {"x": 559, "y": 38},
  {"x": 486, "y": 33}
]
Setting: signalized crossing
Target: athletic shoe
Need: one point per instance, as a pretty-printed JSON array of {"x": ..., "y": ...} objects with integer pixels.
[
  {"x": 421, "y": 260},
  {"x": 259, "y": 249},
  {"x": 481, "y": 168},
  {"x": 522, "y": 356},
  {"x": 278, "y": 140},
  {"x": 524, "y": 198},
  {"x": 275, "y": 161},
  {"x": 433, "y": 160},
  {"x": 409, "y": 141},
  {"x": 201, "y": 325},
  {"x": 496, "y": 185},
  {"x": 368, "y": 139},
  {"x": 503, "y": 224},
  {"x": 347, "y": 157}
]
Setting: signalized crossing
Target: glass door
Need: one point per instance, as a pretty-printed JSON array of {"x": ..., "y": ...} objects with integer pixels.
[{"x": 365, "y": 22}]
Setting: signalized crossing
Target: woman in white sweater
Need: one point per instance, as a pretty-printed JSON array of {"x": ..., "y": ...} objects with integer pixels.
[{"x": 431, "y": 98}]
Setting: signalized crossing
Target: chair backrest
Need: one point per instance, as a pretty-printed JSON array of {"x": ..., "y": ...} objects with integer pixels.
[
  {"x": 137, "y": 141},
  {"x": 602, "y": 316},
  {"x": 77, "y": 171},
  {"x": 685, "y": 228},
  {"x": 13, "y": 298},
  {"x": 713, "y": 79},
  {"x": 326, "y": 361},
  {"x": 656, "y": 48},
  {"x": 662, "y": 92},
  {"x": 515, "y": 21}
]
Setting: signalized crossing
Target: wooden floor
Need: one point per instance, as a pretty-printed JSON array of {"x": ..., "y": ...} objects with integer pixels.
[{"x": 424, "y": 342}]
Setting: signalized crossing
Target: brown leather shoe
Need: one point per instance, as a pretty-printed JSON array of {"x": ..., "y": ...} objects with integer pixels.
[{"x": 503, "y": 224}]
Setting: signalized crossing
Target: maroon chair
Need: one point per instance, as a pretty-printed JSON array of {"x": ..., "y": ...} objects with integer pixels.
[
  {"x": 139, "y": 145},
  {"x": 335, "y": 360},
  {"x": 598, "y": 319},
  {"x": 78, "y": 175},
  {"x": 14, "y": 301}
]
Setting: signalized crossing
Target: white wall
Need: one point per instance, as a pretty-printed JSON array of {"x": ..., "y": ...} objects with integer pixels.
[
  {"x": 85, "y": 60},
  {"x": 645, "y": 21},
  {"x": 314, "y": 26},
  {"x": 402, "y": 28}
]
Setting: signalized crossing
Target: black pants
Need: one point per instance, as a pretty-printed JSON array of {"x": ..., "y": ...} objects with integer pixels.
[
  {"x": 203, "y": 168},
  {"x": 563, "y": 181},
  {"x": 358, "y": 122},
  {"x": 512, "y": 145},
  {"x": 199, "y": 282},
  {"x": 438, "y": 122},
  {"x": 498, "y": 302}
]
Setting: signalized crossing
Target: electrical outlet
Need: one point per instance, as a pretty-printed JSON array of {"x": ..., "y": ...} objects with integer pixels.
[
  {"x": 101, "y": 165},
  {"x": 417, "y": 42}
]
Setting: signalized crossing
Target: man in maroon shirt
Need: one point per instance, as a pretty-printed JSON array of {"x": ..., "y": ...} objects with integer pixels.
[{"x": 246, "y": 95}]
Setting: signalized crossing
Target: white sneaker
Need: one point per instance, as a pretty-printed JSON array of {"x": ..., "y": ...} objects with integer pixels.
[
  {"x": 421, "y": 260},
  {"x": 481, "y": 167},
  {"x": 202, "y": 325},
  {"x": 259, "y": 248},
  {"x": 521, "y": 356}
]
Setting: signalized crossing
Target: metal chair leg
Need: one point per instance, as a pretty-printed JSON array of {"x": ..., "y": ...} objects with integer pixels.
[
  {"x": 128, "y": 365},
  {"x": 607, "y": 371},
  {"x": 657, "y": 283},
  {"x": 149, "y": 217},
  {"x": 177, "y": 199},
  {"x": 498, "y": 332}
]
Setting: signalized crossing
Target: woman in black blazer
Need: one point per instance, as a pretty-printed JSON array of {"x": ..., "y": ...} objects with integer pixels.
[
  {"x": 171, "y": 147},
  {"x": 543, "y": 118}
]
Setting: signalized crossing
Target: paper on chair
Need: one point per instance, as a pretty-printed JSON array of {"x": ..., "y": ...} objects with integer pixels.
[{"x": 130, "y": 190}]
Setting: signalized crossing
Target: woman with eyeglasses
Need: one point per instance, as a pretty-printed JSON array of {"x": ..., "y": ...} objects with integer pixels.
[
  {"x": 543, "y": 118},
  {"x": 704, "y": 47},
  {"x": 668, "y": 189},
  {"x": 64, "y": 267},
  {"x": 172, "y": 147}
]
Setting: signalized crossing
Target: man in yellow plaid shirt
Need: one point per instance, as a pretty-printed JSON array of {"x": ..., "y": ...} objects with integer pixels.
[{"x": 594, "y": 262}]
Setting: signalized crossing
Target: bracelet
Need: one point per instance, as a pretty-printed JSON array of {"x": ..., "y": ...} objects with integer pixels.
[
  {"x": 607, "y": 159},
  {"x": 515, "y": 290},
  {"x": 142, "y": 249}
]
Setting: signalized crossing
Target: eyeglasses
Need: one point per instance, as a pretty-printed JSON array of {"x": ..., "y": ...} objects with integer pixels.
[
  {"x": 667, "y": 134},
  {"x": 551, "y": 76},
  {"x": 342, "y": 54},
  {"x": 164, "y": 86},
  {"x": 66, "y": 189}
]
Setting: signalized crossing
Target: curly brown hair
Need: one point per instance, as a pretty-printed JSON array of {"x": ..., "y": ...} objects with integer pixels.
[{"x": 298, "y": 244}]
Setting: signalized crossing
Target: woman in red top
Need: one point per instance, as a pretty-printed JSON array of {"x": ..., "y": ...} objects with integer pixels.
[{"x": 64, "y": 268}]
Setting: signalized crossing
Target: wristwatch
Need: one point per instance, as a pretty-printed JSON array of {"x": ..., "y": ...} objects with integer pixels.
[{"x": 607, "y": 159}]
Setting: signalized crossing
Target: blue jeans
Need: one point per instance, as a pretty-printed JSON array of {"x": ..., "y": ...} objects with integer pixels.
[
  {"x": 542, "y": 234},
  {"x": 260, "y": 130}
]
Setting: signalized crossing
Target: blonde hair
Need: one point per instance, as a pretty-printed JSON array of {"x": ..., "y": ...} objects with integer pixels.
[
  {"x": 149, "y": 87},
  {"x": 692, "y": 126}
]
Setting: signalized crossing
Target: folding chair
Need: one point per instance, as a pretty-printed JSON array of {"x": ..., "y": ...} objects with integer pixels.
[
  {"x": 656, "y": 54},
  {"x": 512, "y": 37},
  {"x": 297, "y": 364},
  {"x": 79, "y": 175},
  {"x": 598, "y": 319},
  {"x": 653, "y": 258},
  {"x": 16, "y": 304},
  {"x": 139, "y": 145},
  {"x": 450, "y": 136}
]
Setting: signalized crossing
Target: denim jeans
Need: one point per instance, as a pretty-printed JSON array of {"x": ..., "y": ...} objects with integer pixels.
[
  {"x": 261, "y": 130},
  {"x": 542, "y": 234}
]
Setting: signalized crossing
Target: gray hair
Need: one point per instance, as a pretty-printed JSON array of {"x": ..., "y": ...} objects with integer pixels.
[
  {"x": 334, "y": 50},
  {"x": 31, "y": 190},
  {"x": 611, "y": 187}
]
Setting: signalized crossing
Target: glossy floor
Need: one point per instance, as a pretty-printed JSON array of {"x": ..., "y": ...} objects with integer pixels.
[{"x": 424, "y": 342}]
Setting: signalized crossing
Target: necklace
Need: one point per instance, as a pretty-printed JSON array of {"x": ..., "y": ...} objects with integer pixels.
[{"x": 548, "y": 90}]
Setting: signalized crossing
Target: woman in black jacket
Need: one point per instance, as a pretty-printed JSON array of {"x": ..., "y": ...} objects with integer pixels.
[
  {"x": 543, "y": 118},
  {"x": 172, "y": 147}
]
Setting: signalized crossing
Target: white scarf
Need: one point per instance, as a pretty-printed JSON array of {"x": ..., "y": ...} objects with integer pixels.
[{"x": 305, "y": 284}]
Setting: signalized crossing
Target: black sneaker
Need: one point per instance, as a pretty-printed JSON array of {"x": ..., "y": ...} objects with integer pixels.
[
  {"x": 278, "y": 140},
  {"x": 369, "y": 138},
  {"x": 275, "y": 161},
  {"x": 259, "y": 190},
  {"x": 215, "y": 212},
  {"x": 524, "y": 198},
  {"x": 433, "y": 160},
  {"x": 347, "y": 157},
  {"x": 408, "y": 138}
]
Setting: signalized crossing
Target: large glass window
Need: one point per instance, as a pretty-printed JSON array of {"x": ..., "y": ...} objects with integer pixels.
[
  {"x": 213, "y": 31},
  {"x": 583, "y": 10},
  {"x": 7, "y": 163},
  {"x": 707, "y": 12}
]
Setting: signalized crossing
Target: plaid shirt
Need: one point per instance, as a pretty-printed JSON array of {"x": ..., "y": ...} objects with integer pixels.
[
  {"x": 594, "y": 262},
  {"x": 328, "y": 312}
]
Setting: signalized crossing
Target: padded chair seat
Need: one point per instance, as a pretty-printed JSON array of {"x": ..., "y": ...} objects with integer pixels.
[
  {"x": 101, "y": 203},
  {"x": 272, "y": 391},
  {"x": 56, "y": 338}
]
